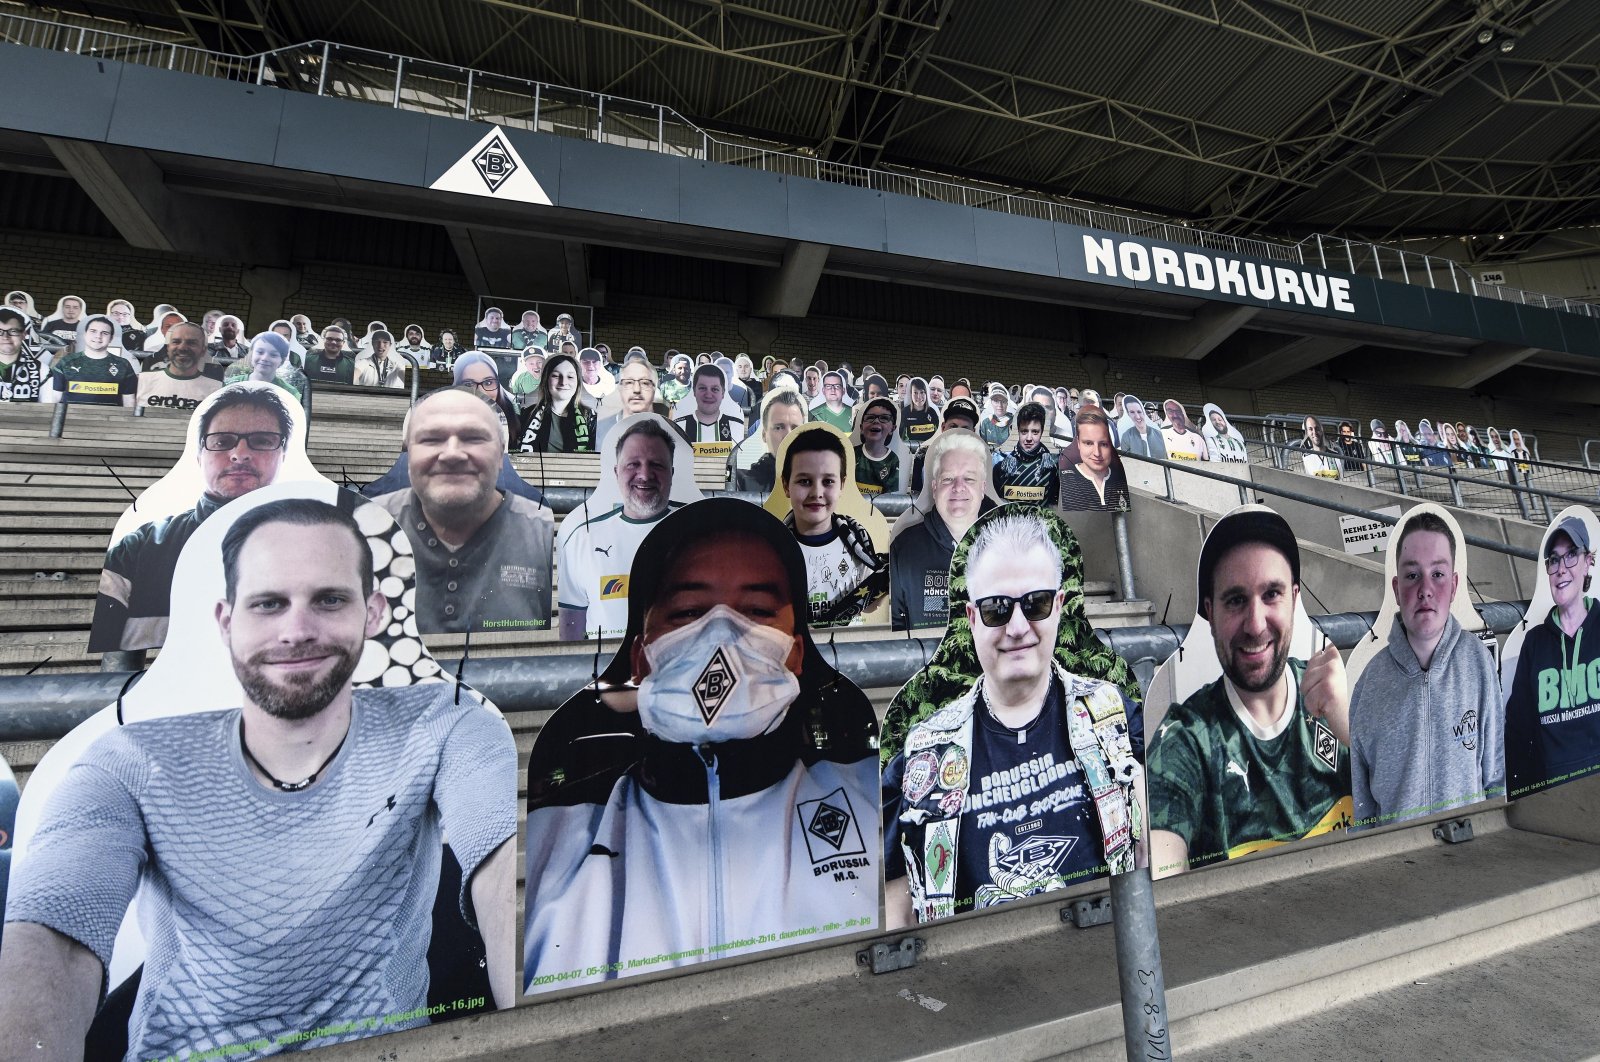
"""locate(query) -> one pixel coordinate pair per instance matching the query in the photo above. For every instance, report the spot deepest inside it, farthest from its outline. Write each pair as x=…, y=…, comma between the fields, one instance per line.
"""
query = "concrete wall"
x=1493, y=574
x=1571, y=810
x=1166, y=540
x=1098, y=543
x=1199, y=491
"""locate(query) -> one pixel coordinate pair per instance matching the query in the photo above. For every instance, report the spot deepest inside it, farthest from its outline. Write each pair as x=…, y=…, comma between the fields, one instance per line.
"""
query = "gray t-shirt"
x=266, y=913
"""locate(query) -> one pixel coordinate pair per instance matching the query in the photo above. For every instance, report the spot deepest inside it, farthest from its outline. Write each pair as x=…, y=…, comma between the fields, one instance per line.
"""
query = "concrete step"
x=1519, y=1004
x=1293, y=942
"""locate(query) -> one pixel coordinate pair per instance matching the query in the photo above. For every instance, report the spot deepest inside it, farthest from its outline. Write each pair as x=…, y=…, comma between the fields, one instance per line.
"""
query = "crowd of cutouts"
x=550, y=378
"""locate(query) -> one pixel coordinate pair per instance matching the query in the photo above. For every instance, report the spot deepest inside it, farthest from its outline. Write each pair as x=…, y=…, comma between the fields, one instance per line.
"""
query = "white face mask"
x=721, y=678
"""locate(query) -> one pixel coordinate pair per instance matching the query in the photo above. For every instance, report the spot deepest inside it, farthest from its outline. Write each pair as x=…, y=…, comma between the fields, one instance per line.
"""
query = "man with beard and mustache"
x=181, y=382
x=597, y=556
x=483, y=556
x=1261, y=756
x=243, y=435
x=320, y=922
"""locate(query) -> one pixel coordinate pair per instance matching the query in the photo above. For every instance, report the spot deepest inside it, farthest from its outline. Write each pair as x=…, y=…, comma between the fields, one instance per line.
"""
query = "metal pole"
x=1455, y=491
x=322, y=72
x=1166, y=471
x=537, y=86
x=467, y=110
x=399, y=74
x=58, y=418
x=1522, y=503
x=1119, y=525
x=1144, y=987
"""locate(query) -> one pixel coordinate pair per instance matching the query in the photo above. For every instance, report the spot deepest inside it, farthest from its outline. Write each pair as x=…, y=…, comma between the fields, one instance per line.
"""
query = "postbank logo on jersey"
x=833, y=836
x=715, y=683
x=614, y=588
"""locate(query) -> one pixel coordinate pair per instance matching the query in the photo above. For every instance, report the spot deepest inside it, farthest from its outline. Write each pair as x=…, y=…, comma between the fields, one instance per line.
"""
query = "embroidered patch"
x=953, y=768
x=920, y=772
x=940, y=856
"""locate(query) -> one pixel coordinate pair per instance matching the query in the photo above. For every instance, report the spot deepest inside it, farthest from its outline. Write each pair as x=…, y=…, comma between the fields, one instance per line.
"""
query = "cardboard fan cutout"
x=845, y=542
x=267, y=433
x=890, y=471
x=1012, y=760
x=353, y=906
x=1550, y=670
x=1426, y=726
x=714, y=792
x=955, y=491
x=484, y=555
x=8, y=826
x=646, y=470
x=707, y=415
x=1247, y=723
x=1223, y=440
x=1092, y=476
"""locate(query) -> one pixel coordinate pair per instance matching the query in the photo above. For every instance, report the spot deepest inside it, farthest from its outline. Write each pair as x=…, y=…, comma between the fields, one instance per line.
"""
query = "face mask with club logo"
x=721, y=678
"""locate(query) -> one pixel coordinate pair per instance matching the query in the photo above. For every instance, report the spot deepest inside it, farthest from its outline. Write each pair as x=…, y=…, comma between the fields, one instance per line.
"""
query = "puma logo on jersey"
x=603, y=549
x=1242, y=772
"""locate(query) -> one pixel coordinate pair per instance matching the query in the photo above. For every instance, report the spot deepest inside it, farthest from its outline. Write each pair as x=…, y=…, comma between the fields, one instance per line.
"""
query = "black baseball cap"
x=1251, y=523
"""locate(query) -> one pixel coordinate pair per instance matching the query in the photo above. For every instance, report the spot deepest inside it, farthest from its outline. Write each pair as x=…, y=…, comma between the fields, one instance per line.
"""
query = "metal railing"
x=1532, y=484
x=383, y=78
x=1247, y=488
x=1588, y=462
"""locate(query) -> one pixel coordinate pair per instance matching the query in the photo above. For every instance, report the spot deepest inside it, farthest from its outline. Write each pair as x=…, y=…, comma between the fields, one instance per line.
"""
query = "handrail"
x=455, y=91
x=1371, y=464
x=1244, y=486
x=1294, y=423
x=1587, y=461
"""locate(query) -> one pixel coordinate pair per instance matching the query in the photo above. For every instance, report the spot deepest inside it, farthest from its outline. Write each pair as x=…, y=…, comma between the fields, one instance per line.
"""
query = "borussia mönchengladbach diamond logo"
x=714, y=685
x=495, y=164
x=829, y=823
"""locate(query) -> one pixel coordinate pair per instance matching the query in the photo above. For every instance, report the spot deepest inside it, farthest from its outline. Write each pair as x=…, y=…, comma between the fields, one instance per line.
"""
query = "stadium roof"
x=1377, y=119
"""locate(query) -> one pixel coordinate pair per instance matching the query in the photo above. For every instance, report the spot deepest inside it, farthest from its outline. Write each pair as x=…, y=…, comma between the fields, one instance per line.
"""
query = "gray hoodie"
x=1424, y=741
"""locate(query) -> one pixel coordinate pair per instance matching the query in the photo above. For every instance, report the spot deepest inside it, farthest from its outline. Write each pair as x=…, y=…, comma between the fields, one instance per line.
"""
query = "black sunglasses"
x=1036, y=605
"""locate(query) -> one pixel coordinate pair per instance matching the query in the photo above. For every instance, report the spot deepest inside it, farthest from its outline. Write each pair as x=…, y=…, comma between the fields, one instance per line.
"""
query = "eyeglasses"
x=1036, y=605
x=877, y=418
x=637, y=385
x=256, y=440
x=14, y=333
x=491, y=384
x=1553, y=562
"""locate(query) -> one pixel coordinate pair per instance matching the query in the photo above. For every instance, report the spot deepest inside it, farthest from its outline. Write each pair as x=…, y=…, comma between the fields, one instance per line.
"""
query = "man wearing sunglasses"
x=1028, y=782
x=243, y=436
x=1553, y=705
